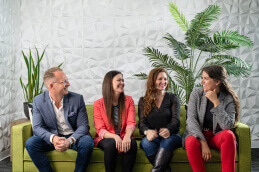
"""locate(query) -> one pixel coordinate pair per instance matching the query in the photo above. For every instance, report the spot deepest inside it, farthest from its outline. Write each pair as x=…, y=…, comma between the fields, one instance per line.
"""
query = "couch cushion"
x=98, y=155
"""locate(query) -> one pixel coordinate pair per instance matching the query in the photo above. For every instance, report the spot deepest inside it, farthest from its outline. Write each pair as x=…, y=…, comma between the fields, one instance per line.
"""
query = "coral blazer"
x=102, y=124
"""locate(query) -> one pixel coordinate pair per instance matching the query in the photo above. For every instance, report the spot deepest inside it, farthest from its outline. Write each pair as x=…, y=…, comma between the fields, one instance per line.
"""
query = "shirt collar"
x=53, y=102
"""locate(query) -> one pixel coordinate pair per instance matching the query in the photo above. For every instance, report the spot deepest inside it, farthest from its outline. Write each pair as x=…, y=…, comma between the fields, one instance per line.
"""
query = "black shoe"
x=152, y=158
x=163, y=158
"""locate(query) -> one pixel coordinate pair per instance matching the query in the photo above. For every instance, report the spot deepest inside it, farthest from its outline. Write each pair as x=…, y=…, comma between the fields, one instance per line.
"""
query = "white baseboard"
x=4, y=154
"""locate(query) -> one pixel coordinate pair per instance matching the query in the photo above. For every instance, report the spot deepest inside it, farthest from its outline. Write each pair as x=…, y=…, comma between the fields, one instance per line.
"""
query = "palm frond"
x=141, y=76
x=200, y=24
x=180, y=49
x=234, y=37
x=164, y=61
x=178, y=16
x=176, y=89
x=234, y=65
x=215, y=45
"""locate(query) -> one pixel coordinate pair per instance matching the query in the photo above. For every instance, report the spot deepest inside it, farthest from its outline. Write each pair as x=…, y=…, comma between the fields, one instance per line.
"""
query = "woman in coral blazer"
x=114, y=120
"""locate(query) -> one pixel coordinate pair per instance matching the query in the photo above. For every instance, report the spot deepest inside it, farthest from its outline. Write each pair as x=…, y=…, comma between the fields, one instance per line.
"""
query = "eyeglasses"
x=62, y=82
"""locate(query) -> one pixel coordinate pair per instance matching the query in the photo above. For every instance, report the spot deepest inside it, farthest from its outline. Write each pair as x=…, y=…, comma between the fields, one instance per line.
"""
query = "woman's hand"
x=212, y=96
x=118, y=141
x=151, y=135
x=205, y=151
x=126, y=144
x=164, y=132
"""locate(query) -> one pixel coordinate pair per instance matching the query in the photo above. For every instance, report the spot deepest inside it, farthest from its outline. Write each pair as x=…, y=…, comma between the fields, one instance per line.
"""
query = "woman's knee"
x=191, y=142
x=173, y=141
x=110, y=144
x=228, y=135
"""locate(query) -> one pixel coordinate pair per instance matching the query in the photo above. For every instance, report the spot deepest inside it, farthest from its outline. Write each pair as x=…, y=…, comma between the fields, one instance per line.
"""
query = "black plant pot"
x=26, y=106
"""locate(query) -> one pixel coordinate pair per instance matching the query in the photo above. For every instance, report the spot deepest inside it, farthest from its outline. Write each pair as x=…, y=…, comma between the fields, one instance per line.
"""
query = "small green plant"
x=198, y=40
x=33, y=87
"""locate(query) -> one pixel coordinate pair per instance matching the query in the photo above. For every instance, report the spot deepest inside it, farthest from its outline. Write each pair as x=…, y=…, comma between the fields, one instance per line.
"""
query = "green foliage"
x=33, y=87
x=199, y=40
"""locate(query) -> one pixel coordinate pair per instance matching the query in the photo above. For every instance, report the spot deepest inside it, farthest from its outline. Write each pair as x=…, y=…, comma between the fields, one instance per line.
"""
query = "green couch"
x=65, y=161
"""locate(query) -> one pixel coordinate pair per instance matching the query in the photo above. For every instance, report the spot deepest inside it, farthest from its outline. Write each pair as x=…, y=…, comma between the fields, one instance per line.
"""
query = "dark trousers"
x=37, y=147
x=108, y=145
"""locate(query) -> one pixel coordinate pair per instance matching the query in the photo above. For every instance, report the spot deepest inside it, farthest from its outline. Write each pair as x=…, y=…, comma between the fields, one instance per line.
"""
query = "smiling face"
x=61, y=83
x=161, y=81
x=208, y=83
x=118, y=84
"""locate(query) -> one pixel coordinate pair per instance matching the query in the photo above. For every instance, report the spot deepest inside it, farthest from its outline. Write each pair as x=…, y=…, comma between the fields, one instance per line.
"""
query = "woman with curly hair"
x=159, y=121
x=212, y=113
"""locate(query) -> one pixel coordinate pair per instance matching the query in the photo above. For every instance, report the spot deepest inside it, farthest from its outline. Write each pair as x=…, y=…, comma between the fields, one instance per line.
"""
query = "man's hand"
x=205, y=151
x=151, y=134
x=164, y=132
x=60, y=143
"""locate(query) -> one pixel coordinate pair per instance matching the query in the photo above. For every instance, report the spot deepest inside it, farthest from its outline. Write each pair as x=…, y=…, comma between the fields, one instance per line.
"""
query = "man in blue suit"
x=60, y=122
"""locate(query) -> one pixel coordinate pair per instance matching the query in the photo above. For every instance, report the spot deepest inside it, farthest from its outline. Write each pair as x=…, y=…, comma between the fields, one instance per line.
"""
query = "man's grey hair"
x=50, y=75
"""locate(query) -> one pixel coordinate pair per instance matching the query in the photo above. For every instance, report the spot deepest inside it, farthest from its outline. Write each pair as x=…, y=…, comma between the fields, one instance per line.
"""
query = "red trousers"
x=224, y=141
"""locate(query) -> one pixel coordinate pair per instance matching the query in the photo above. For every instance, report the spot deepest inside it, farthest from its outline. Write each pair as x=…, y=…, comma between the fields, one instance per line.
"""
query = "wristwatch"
x=71, y=142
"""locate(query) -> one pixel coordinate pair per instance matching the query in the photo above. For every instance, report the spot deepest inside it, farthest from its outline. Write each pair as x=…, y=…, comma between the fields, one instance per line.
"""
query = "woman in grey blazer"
x=212, y=113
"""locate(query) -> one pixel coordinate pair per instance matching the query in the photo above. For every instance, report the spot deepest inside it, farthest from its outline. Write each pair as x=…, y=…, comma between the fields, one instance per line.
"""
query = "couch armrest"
x=244, y=147
x=20, y=133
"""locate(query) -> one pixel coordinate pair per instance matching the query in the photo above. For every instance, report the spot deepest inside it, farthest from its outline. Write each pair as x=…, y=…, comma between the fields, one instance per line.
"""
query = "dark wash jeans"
x=37, y=147
x=170, y=144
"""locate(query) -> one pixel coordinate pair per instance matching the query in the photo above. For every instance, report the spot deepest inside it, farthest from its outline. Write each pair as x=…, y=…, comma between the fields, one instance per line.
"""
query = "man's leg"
x=84, y=147
x=36, y=148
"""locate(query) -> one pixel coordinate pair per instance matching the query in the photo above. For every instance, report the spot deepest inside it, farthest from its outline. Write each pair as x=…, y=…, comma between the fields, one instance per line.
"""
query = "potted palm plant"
x=199, y=40
x=33, y=87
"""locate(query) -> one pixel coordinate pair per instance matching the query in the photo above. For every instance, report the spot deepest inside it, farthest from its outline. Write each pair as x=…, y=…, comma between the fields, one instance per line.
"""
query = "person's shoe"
x=152, y=158
x=162, y=160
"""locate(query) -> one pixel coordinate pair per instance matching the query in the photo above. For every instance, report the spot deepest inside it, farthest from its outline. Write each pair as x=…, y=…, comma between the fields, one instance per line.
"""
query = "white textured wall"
x=10, y=67
x=93, y=37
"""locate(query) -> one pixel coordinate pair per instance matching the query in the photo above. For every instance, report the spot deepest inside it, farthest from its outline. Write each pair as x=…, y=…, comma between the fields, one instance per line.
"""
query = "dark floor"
x=6, y=165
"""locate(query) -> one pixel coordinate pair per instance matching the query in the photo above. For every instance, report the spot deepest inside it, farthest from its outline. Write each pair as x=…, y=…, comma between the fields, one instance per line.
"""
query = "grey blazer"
x=223, y=114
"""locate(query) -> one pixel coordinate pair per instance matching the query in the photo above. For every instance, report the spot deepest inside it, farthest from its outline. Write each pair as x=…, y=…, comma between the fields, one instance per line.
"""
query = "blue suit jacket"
x=44, y=118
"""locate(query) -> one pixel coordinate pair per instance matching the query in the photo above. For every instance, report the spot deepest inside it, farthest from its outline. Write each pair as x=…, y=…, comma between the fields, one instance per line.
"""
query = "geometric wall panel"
x=92, y=37
x=10, y=67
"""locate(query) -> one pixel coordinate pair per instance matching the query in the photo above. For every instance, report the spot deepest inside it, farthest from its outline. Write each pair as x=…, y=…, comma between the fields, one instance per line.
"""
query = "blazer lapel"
x=202, y=108
x=66, y=110
x=50, y=109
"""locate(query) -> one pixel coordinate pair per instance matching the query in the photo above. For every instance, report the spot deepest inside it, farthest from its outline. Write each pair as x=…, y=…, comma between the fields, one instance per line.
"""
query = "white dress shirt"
x=63, y=128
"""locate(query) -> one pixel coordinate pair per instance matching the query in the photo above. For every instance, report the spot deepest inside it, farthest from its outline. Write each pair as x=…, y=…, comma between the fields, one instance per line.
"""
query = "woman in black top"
x=159, y=114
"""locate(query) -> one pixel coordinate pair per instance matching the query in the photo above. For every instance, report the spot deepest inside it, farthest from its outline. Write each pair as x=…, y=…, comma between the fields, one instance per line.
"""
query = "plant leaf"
x=141, y=76
x=234, y=37
x=178, y=16
x=180, y=49
x=199, y=27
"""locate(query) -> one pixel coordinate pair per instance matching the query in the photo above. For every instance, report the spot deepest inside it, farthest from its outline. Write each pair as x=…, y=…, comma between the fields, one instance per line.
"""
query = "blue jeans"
x=170, y=144
x=37, y=147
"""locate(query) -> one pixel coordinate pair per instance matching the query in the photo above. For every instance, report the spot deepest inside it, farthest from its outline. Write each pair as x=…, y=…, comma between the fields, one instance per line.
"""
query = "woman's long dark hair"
x=108, y=97
x=219, y=73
